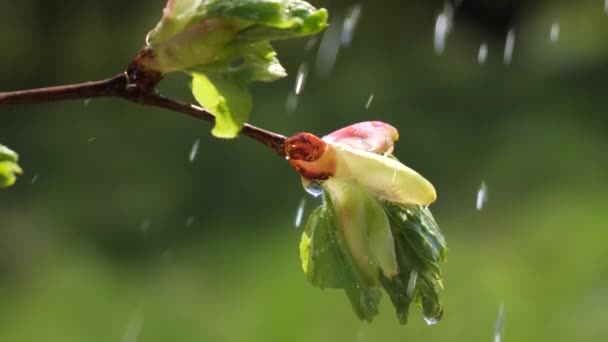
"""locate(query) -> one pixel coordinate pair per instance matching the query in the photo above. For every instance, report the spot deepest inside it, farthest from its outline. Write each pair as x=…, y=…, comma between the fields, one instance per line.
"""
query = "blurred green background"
x=113, y=235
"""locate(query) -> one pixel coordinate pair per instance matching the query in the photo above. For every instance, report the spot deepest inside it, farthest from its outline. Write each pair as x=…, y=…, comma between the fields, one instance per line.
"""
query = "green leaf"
x=194, y=33
x=227, y=99
x=9, y=169
x=327, y=262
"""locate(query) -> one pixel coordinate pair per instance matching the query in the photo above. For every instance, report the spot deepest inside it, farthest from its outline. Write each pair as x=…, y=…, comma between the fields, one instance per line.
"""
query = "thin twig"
x=121, y=86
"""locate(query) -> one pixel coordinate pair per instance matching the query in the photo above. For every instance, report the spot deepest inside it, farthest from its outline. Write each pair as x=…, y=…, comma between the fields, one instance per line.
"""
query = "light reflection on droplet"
x=411, y=284
x=482, y=54
x=482, y=196
x=134, y=326
x=443, y=26
x=369, y=101
x=300, y=213
x=194, y=151
x=509, y=44
x=291, y=103
x=499, y=323
x=328, y=49
x=554, y=33
x=350, y=24
x=313, y=188
x=301, y=78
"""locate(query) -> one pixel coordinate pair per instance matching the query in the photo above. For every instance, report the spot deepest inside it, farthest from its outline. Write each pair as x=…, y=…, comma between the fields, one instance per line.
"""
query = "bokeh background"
x=112, y=234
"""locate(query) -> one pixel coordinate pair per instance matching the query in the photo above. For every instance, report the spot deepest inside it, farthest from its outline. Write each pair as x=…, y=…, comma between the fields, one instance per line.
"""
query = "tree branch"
x=139, y=91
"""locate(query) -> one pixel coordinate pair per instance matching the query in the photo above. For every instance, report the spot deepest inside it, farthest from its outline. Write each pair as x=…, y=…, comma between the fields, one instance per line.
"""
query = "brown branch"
x=142, y=92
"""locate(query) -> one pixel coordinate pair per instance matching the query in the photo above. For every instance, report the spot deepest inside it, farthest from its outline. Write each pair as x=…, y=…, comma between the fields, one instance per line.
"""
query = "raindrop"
x=291, y=103
x=194, y=151
x=310, y=43
x=134, y=326
x=328, y=49
x=606, y=6
x=145, y=225
x=190, y=221
x=34, y=179
x=443, y=26
x=499, y=323
x=301, y=78
x=300, y=212
x=482, y=55
x=411, y=284
x=482, y=196
x=369, y=101
x=509, y=44
x=91, y=140
x=312, y=187
x=350, y=24
x=432, y=320
x=87, y=101
x=554, y=33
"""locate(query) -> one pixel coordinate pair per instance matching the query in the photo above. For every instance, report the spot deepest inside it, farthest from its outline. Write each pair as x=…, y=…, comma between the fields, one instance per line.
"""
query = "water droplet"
x=369, y=101
x=300, y=213
x=554, y=33
x=301, y=78
x=291, y=103
x=190, y=221
x=145, y=225
x=328, y=49
x=194, y=151
x=134, y=326
x=509, y=44
x=34, y=179
x=91, y=140
x=350, y=24
x=87, y=101
x=312, y=187
x=411, y=284
x=499, y=323
x=310, y=43
x=482, y=54
x=606, y=6
x=431, y=320
x=482, y=196
x=443, y=26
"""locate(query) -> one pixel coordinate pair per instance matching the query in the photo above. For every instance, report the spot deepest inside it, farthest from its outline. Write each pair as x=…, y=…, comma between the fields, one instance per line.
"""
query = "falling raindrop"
x=482, y=196
x=554, y=33
x=310, y=43
x=482, y=55
x=300, y=212
x=328, y=49
x=443, y=26
x=301, y=78
x=134, y=326
x=606, y=6
x=87, y=101
x=499, y=323
x=145, y=225
x=350, y=24
x=34, y=179
x=411, y=284
x=509, y=44
x=291, y=103
x=91, y=140
x=194, y=151
x=190, y=221
x=369, y=101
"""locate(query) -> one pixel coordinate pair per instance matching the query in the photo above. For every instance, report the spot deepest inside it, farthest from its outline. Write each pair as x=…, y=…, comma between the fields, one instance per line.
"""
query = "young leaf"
x=230, y=101
x=226, y=42
x=9, y=169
